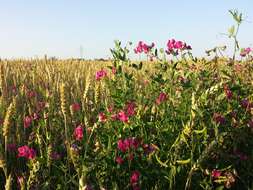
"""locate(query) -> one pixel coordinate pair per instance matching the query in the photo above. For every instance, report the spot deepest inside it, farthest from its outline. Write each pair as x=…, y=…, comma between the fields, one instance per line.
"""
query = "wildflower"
x=75, y=107
x=245, y=51
x=100, y=74
x=134, y=177
x=102, y=117
x=174, y=46
x=161, y=98
x=216, y=174
x=119, y=160
x=26, y=152
x=78, y=133
x=142, y=47
x=27, y=121
x=122, y=116
x=122, y=146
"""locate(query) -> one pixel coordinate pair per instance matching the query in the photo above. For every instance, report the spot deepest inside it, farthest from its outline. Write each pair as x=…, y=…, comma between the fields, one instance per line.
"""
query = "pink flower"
x=27, y=121
x=122, y=146
x=142, y=47
x=245, y=51
x=101, y=74
x=122, y=116
x=75, y=107
x=174, y=46
x=119, y=160
x=162, y=97
x=26, y=152
x=216, y=174
x=134, y=177
x=78, y=133
x=32, y=154
x=102, y=117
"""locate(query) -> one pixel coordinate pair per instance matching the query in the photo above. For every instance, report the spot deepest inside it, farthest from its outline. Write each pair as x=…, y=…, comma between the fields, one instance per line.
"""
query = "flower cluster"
x=126, y=144
x=27, y=121
x=78, y=133
x=245, y=51
x=26, y=152
x=134, y=179
x=75, y=107
x=100, y=74
x=173, y=47
x=142, y=47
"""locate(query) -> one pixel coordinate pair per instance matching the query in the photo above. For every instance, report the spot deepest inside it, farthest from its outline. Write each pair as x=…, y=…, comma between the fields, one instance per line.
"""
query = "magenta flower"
x=216, y=174
x=78, y=133
x=101, y=74
x=26, y=152
x=122, y=116
x=174, y=46
x=161, y=98
x=75, y=107
x=119, y=160
x=142, y=47
x=134, y=177
x=27, y=121
x=122, y=146
x=245, y=51
x=32, y=154
x=102, y=117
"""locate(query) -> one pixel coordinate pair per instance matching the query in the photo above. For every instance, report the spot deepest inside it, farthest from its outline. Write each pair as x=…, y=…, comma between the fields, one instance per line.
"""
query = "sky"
x=33, y=28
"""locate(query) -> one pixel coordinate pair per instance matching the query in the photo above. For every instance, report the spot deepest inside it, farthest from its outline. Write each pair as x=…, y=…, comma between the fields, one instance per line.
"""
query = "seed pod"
x=7, y=120
x=8, y=183
x=63, y=99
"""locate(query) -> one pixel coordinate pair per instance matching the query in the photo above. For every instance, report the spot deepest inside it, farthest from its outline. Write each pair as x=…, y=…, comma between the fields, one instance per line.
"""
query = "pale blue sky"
x=59, y=27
